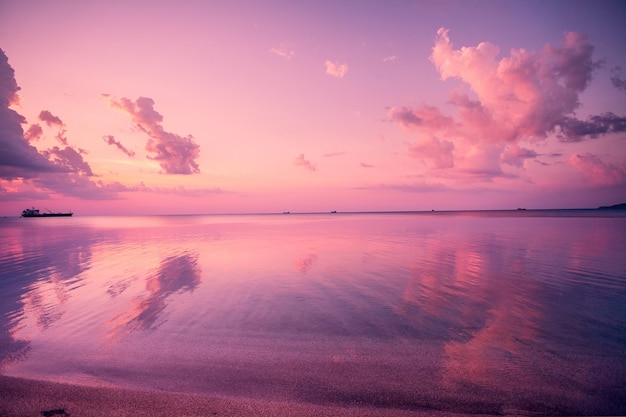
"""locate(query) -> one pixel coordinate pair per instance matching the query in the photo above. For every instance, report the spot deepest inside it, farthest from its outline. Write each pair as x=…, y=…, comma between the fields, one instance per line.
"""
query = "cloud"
x=300, y=161
x=69, y=159
x=437, y=152
x=525, y=95
x=506, y=100
x=33, y=133
x=598, y=171
x=418, y=187
x=60, y=136
x=283, y=50
x=81, y=186
x=365, y=165
x=333, y=154
x=50, y=119
x=18, y=159
x=8, y=84
x=111, y=141
x=182, y=191
x=479, y=162
x=390, y=58
x=574, y=130
x=175, y=154
x=21, y=191
x=336, y=69
x=617, y=80
x=515, y=155
x=425, y=117
x=24, y=171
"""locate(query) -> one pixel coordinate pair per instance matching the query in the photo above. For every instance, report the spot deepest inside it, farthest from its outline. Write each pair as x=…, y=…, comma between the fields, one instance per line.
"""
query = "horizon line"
x=620, y=206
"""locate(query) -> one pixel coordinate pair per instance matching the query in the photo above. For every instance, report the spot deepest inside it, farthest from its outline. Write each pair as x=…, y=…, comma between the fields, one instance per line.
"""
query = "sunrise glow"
x=237, y=107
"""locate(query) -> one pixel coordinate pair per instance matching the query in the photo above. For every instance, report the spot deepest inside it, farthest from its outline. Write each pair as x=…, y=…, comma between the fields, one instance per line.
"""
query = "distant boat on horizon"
x=33, y=212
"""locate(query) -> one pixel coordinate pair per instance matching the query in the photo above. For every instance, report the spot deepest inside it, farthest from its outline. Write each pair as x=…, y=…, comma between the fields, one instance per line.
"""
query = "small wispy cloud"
x=336, y=69
x=284, y=50
x=34, y=132
x=301, y=161
x=515, y=155
x=390, y=58
x=52, y=120
x=416, y=187
x=617, y=79
x=598, y=171
x=365, y=165
x=332, y=154
x=49, y=118
x=111, y=141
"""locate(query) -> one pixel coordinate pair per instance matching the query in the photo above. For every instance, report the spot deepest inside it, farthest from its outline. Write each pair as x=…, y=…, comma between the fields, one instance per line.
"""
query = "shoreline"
x=21, y=397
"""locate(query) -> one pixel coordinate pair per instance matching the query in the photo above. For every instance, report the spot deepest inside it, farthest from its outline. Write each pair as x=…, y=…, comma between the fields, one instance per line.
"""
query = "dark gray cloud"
x=59, y=170
x=18, y=158
x=8, y=84
x=575, y=130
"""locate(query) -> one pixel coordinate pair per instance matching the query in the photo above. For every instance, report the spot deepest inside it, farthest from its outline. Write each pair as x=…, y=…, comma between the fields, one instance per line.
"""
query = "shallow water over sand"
x=500, y=312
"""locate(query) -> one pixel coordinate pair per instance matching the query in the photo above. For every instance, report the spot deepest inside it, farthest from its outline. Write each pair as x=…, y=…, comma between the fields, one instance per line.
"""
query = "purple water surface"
x=468, y=312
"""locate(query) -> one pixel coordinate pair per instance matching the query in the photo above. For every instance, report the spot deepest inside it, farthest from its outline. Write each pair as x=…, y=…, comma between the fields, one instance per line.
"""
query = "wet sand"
x=30, y=398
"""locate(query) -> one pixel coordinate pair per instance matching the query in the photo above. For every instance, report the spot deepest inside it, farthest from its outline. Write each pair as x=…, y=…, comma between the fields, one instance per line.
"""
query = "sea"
x=475, y=312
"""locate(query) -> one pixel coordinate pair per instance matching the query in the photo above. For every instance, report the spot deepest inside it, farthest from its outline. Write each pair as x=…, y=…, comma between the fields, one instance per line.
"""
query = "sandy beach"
x=29, y=398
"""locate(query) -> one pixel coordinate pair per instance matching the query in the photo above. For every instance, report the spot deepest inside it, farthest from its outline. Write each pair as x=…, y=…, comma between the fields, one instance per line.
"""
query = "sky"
x=192, y=107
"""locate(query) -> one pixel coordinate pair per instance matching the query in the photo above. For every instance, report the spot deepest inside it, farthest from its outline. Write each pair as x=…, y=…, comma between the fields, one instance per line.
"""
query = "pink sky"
x=232, y=107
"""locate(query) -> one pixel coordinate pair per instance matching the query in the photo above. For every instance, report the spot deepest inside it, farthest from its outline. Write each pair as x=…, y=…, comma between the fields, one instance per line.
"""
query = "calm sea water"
x=492, y=312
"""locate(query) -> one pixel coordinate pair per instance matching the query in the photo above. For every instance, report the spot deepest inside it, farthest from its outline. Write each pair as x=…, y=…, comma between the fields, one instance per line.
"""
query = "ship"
x=33, y=212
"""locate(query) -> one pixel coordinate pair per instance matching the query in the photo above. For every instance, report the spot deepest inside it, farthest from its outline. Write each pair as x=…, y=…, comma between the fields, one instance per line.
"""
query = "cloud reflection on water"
x=304, y=264
x=42, y=265
x=175, y=274
x=491, y=300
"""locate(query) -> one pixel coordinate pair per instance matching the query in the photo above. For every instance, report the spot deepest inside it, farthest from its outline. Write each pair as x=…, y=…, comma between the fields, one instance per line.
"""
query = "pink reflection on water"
x=303, y=265
x=176, y=274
